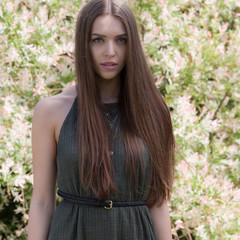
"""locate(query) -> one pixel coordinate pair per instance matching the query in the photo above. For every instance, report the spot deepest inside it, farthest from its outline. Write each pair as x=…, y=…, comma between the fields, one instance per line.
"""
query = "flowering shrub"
x=193, y=51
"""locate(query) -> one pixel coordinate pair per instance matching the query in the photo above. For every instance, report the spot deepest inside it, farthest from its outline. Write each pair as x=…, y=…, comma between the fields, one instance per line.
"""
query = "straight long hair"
x=145, y=118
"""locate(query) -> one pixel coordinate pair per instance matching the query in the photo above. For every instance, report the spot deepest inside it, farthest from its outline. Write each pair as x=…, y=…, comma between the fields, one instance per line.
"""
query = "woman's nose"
x=110, y=49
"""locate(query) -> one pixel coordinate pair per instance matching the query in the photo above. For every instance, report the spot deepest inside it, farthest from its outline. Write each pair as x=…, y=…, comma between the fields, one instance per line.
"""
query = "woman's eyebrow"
x=101, y=35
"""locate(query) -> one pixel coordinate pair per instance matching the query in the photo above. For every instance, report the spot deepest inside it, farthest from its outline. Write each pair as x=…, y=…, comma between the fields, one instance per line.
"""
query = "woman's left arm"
x=162, y=222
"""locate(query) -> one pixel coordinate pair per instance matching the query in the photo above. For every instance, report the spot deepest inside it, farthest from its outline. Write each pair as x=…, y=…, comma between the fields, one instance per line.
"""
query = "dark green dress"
x=83, y=222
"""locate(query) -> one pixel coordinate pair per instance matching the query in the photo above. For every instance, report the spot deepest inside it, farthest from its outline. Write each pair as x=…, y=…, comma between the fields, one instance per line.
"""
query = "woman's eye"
x=122, y=40
x=97, y=40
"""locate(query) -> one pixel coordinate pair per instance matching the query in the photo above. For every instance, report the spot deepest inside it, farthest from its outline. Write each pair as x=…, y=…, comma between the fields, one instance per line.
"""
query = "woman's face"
x=108, y=43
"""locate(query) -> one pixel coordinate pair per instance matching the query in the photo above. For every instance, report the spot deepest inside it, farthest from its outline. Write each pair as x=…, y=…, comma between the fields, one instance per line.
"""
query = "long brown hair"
x=146, y=118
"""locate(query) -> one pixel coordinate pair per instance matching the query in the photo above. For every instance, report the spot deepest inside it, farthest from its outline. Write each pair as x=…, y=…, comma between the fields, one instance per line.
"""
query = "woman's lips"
x=109, y=65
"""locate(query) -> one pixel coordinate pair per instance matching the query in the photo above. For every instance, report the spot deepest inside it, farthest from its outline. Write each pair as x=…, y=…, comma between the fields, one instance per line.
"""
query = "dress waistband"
x=108, y=204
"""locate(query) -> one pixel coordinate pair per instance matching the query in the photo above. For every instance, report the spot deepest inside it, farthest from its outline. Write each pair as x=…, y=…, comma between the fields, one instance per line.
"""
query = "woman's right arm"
x=44, y=171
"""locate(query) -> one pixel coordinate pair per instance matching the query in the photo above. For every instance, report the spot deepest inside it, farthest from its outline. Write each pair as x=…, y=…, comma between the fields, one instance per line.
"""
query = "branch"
x=213, y=118
x=220, y=105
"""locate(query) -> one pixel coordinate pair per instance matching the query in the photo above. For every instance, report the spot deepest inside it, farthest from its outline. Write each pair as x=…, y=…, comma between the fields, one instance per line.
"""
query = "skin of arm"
x=44, y=171
x=162, y=222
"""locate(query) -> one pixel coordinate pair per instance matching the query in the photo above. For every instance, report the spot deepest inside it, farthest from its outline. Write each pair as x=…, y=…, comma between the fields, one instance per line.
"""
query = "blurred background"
x=193, y=49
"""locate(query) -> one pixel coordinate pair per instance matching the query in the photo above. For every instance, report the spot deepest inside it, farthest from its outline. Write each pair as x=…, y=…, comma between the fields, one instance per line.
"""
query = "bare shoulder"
x=52, y=110
x=50, y=105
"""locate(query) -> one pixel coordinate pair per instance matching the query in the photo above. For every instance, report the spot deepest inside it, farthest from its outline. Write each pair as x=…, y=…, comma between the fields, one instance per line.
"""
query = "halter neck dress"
x=73, y=221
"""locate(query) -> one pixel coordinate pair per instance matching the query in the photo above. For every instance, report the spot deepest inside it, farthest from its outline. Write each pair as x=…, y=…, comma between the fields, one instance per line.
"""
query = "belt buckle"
x=110, y=205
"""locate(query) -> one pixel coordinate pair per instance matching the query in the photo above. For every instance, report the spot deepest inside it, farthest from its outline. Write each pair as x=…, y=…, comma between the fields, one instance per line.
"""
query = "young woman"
x=108, y=141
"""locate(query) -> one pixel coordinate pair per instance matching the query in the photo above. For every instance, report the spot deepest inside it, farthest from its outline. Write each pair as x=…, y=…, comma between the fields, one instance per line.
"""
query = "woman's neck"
x=109, y=90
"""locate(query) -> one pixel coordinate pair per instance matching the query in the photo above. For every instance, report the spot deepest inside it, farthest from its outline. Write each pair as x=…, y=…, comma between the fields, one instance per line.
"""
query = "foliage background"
x=193, y=48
